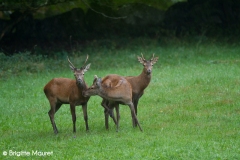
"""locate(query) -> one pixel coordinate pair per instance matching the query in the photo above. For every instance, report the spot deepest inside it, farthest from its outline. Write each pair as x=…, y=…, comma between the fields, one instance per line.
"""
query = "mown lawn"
x=190, y=110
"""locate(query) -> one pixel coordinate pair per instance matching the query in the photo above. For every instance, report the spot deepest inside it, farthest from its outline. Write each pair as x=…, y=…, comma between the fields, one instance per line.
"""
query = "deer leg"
x=118, y=115
x=106, y=118
x=111, y=107
x=134, y=117
x=108, y=111
x=51, y=114
x=135, y=102
x=84, y=108
x=58, y=105
x=111, y=113
x=73, y=112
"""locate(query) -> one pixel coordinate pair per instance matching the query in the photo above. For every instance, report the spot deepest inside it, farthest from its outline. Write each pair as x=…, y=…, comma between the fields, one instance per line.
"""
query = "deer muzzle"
x=149, y=71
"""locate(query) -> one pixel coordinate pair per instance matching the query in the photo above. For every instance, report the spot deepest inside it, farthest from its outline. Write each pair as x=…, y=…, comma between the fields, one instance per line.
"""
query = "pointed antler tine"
x=152, y=57
x=70, y=62
x=86, y=60
x=95, y=76
x=143, y=57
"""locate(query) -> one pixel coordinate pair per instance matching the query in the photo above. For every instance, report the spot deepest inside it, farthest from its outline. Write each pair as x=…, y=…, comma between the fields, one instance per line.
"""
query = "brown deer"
x=114, y=90
x=68, y=91
x=138, y=84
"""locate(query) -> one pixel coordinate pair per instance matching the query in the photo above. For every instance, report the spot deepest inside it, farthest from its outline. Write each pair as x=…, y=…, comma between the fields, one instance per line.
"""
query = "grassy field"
x=190, y=110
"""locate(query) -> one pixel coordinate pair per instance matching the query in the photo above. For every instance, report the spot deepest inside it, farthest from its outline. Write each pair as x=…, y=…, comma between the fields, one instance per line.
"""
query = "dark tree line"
x=210, y=17
x=193, y=17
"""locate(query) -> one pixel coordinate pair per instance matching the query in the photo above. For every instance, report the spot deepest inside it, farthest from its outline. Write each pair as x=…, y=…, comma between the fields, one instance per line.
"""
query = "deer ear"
x=99, y=80
x=87, y=67
x=95, y=78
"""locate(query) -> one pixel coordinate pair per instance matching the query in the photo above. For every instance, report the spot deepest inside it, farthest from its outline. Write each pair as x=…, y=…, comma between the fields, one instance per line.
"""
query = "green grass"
x=190, y=110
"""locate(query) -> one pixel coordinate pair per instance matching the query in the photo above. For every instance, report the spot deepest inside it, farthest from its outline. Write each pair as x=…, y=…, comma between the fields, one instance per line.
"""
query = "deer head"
x=79, y=73
x=94, y=88
x=148, y=64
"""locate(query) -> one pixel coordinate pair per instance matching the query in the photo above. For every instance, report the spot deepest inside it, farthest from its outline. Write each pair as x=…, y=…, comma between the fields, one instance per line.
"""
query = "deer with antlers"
x=68, y=91
x=138, y=85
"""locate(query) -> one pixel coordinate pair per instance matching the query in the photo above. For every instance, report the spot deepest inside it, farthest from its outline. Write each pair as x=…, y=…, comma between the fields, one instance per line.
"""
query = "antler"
x=152, y=57
x=86, y=60
x=71, y=65
x=143, y=57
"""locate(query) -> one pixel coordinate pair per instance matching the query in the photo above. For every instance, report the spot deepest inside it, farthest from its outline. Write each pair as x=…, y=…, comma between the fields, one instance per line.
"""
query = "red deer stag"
x=68, y=91
x=138, y=84
x=115, y=90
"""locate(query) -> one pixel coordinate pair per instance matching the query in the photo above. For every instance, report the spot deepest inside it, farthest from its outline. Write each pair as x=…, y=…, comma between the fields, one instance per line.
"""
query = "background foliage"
x=73, y=24
x=28, y=4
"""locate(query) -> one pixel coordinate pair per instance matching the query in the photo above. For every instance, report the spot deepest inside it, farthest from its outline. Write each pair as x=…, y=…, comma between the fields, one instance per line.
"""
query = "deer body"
x=114, y=90
x=138, y=84
x=67, y=91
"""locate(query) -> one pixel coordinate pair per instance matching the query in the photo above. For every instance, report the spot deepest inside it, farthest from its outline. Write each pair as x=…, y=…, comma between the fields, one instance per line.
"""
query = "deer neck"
x=145, y=78
x=82, y=86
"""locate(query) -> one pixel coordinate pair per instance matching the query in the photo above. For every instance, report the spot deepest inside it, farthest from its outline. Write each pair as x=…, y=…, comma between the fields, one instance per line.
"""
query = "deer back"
x=116, y=87
x=112, y=87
